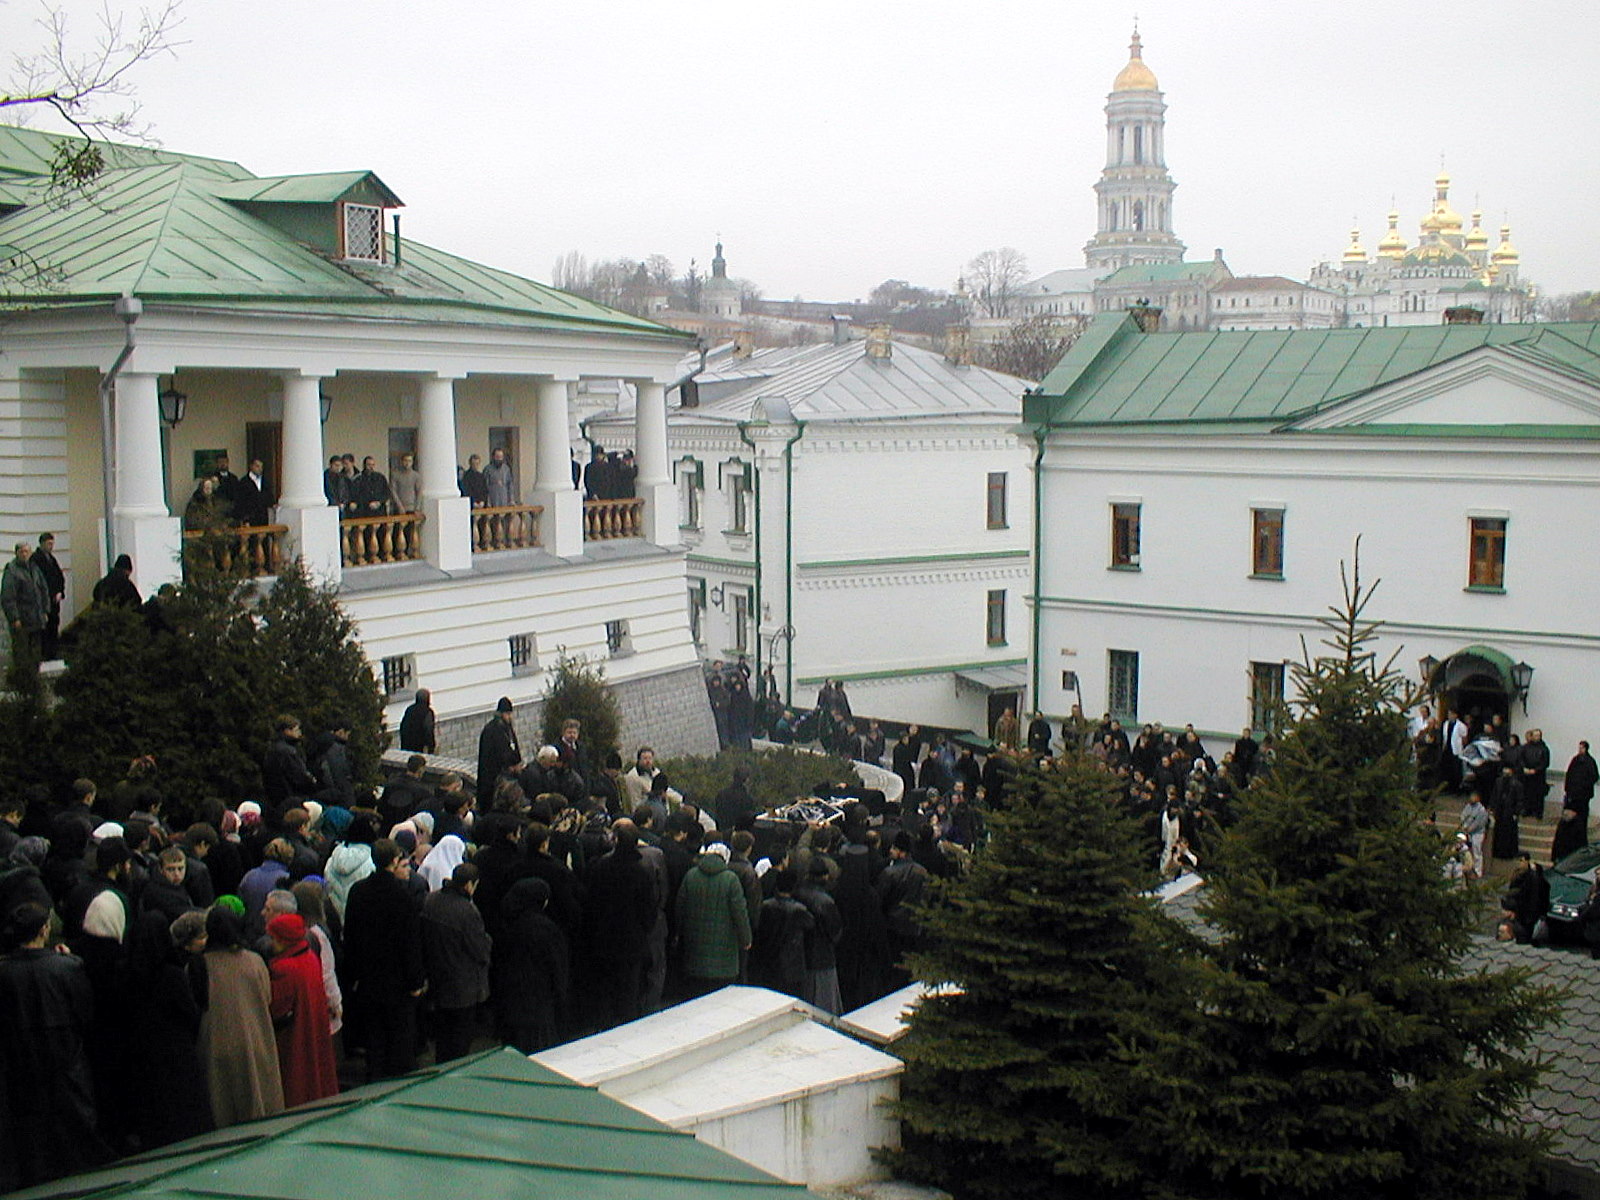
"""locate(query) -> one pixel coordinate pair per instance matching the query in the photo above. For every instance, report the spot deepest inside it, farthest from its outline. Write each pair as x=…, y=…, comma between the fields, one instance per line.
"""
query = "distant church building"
x=1447, y=268
x=1136, y=257
x=719, y=295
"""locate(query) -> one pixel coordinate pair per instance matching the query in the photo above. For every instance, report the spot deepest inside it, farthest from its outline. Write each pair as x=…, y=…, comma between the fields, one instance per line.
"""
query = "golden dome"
x=1135, y=77
x=1505, y=252
x=1447, y=219
x=1477, y=239
x=1355, y=252
x=1394, y=243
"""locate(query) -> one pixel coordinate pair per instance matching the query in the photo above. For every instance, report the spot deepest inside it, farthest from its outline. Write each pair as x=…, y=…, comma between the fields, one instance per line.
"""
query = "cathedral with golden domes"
x=1448, y=267
x=1136, y=256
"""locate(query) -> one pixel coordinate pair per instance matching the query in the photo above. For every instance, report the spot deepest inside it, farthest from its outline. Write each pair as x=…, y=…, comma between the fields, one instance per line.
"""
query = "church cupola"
x=1134, y=194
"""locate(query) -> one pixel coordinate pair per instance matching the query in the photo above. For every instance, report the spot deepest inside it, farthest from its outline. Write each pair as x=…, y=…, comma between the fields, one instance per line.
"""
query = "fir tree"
x=577, y=689
x=1345, y=1051
x=1023, y=1083
x=198, y=683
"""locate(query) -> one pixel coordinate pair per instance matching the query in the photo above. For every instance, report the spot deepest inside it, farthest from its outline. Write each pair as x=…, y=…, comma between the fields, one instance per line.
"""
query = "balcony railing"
x=514, y=527
x=605, y=520
x=365, y=541
x=247, y=550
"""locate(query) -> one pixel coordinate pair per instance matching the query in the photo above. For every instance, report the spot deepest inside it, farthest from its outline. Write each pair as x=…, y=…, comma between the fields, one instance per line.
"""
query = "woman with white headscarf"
x=442, y=860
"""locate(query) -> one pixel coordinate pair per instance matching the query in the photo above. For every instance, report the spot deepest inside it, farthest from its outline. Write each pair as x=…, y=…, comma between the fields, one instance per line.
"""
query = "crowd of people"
x=254, y=956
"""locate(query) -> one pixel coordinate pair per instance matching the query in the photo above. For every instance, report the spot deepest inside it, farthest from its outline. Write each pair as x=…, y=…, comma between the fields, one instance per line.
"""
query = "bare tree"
x=1573, y=306
x=661, y=272
x=571, y=273
x=1032, y=346
x=994, y=278
x=87, y=83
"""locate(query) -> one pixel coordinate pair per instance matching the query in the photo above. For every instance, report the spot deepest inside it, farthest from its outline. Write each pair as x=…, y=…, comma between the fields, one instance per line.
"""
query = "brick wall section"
x=669, y=711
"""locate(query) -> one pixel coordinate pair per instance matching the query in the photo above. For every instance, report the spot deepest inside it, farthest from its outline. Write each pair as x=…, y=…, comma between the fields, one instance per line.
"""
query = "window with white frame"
x=743, y=606
x=1266, y=696
x=1122, y=684
x=524, y=656
x=736, y=479
x=691, y=493
x=399, y=672
x=697, y=611
x=618, y=640
x=363, y=232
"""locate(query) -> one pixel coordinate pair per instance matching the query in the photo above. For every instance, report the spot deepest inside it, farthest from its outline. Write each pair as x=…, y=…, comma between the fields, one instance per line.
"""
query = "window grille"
x=1122, y=689
x=617, y=640
x=523, y=659
x=363, y=232
x=399, y=674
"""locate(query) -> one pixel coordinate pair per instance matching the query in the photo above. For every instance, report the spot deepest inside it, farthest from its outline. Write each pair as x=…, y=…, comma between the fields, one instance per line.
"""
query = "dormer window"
x=362, y=231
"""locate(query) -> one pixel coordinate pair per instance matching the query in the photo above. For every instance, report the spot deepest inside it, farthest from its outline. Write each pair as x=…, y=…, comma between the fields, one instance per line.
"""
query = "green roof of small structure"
x=488, y=1127
x=1114, y=375
x=182, y=230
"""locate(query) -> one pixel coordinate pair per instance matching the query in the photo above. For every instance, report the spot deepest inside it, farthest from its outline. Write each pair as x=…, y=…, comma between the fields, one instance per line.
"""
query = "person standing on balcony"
x=253, y=498
x=406, y=485
x=500, y=481
x=474, y=486
x=597, y=476
x=369, y=492
x=335, y=486
x=55, y=582
x=25, y=599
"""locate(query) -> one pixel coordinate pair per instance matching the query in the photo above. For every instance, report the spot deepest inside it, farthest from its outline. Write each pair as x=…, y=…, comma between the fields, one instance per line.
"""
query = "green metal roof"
x=184, y=230
x=307, y=189
x=1159, y=272
x=488, y=1127
x=1115, y=375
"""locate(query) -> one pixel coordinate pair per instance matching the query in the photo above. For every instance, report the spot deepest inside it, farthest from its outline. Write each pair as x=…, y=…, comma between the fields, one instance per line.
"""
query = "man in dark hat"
x=117, y=587
x=498, y=750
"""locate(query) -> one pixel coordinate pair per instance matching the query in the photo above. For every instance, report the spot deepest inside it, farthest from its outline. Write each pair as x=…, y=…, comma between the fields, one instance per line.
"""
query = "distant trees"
x=994, y=279
x=1032, y=346
x=1572, y=306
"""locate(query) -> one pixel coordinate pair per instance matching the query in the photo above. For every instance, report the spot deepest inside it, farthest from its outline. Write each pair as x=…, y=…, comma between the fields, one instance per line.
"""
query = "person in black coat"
x=529, y=976
x=1572, y=832
x=455, y=949
x=405, y=794
x=117, y=588
x=735, y=807
x=741, y=712
x=48, y=1125
x=618, y=918
x=385, y=974
x=1534, y=768
x=165, y=1002
x=285, y=777
x=498, y=750
x=418, y=725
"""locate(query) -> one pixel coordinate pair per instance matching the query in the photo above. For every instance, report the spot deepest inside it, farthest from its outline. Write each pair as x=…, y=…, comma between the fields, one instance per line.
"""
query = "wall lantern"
x=174, y=405
x=1521, y=678
x=1427, y=664
x=326, y=403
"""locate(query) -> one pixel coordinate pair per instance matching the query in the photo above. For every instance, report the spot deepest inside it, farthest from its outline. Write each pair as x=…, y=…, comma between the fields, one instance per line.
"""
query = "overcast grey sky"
x=834, y=146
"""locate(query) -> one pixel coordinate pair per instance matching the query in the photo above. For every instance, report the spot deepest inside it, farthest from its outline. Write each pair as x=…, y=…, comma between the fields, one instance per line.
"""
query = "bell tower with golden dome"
x=1135, y=191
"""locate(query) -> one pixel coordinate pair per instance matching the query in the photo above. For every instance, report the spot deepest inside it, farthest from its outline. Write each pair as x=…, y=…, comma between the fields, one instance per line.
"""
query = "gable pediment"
x=1491, y=387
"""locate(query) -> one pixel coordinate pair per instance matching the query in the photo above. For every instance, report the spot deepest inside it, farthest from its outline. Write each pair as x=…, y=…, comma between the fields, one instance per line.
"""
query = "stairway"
x=1534, y=836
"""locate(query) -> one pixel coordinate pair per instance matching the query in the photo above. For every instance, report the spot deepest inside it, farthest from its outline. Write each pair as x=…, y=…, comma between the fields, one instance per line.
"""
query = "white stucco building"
x=293, y=323
x=1198, y=492
x=856, y=510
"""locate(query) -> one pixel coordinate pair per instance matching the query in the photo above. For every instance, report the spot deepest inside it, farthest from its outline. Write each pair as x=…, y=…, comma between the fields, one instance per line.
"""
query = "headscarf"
x=30, y=852
x=230, y=824
x=422, y=822
x=289, y=929
x=442, y=860
x=313, y=810
x=336, y=821
x=106, y=829
x=249, y=814
x=718, y=850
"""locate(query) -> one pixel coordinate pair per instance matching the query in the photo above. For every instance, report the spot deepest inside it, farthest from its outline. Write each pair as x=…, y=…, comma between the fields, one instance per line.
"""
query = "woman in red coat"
x=300, y=1014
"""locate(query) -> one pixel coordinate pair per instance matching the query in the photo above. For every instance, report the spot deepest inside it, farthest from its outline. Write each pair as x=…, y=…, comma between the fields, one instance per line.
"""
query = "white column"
x=313, y=522
x=142, y=527
x=654, y=485
x=446, y=513
x=561, y=526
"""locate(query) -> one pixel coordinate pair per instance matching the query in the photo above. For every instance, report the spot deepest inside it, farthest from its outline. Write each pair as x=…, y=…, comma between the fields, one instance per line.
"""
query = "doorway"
x=264, y=440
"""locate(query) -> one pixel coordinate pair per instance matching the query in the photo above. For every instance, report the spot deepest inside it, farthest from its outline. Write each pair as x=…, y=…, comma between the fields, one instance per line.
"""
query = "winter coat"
x=299, y=1008
x=455, y=949
x=236, y=1041
x=382, y=943
x=713, y=922
x=778, y=959
x=24, y=595
x=528, y=970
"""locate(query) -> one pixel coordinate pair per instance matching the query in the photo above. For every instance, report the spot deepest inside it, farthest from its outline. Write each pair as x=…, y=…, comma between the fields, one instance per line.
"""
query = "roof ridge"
x=166, y=215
